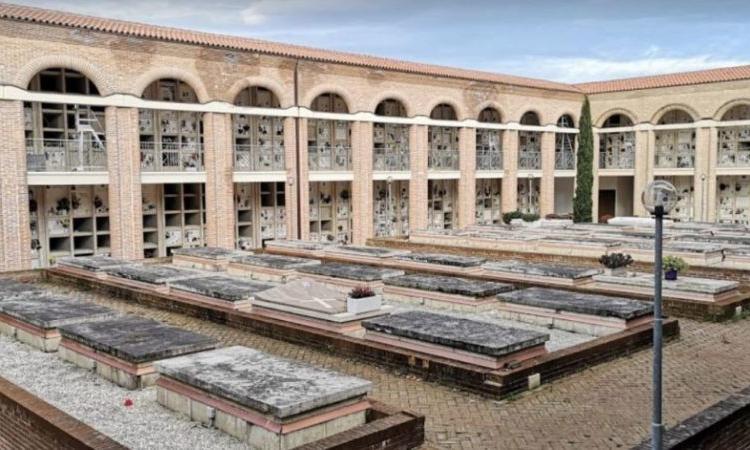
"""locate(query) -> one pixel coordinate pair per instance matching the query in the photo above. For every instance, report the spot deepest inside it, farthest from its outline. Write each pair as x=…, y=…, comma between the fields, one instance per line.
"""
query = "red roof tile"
x=668, y=80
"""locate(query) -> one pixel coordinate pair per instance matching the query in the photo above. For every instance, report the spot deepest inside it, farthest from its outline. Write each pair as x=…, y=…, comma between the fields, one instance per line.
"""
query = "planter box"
x=363, y=305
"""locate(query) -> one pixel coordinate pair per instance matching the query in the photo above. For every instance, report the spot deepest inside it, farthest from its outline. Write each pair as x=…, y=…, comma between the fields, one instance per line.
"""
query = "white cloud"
x=575, y=70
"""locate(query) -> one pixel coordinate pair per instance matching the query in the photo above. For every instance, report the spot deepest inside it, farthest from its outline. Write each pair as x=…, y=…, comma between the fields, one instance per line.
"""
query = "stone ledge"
x=593, y=304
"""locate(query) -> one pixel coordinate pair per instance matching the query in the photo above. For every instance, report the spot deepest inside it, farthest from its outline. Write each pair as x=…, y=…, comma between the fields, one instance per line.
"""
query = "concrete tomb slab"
x=266, y=401
x=441, y=291
x=222, y=290
x=10, y=289
x=35, y=319
x=91, y=263
x=444, y=259
x=345, y=276
x=123, y=349
x=147, y=275
x=685, y=288
x=298, y=247
x=268, y=267
x=463, y=339
x=308, y=302
x=205, y=258
x=362, y=253
x=538, y=272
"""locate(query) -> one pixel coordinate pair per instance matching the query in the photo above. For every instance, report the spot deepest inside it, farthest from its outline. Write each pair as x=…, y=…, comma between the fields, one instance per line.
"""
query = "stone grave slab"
x=269, y=267
x=684, y=288
x=35, y=319
x=97, y=263
x=10, y=289
x=221, y=290
x=123, y=349
x=441, y=291
x=538, y=272
x=311, y=303
x=444, y=259
x=151, y=276
x=272, y=402
x=292, y=247
x=362, y=253
x=346, y=276
x=205, y=258
x=462, y=339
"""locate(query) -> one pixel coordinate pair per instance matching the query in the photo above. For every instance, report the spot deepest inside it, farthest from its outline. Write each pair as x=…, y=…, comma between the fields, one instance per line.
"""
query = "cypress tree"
x=584, y=167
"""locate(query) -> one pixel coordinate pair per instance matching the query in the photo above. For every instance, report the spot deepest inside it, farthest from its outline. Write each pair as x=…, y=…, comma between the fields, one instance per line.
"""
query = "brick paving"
x=607, y=406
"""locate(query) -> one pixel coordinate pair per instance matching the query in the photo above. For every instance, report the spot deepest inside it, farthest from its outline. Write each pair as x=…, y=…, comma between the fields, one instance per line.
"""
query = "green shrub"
x=582, y=203
x=673, y=263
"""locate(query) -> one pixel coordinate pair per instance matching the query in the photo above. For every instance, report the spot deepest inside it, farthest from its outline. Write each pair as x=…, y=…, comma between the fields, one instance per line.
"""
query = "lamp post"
x=658, y=198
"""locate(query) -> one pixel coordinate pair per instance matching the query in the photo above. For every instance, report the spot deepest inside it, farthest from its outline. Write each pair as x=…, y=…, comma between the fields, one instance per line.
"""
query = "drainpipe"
x=297, y=150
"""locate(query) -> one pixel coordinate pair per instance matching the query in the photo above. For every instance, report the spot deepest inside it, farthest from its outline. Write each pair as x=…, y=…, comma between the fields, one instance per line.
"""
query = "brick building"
x=134, y=139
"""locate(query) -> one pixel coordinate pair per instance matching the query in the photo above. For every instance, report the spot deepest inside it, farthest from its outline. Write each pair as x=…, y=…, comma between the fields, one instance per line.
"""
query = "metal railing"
x=254, y=158
x=565, y=160
x=442, y=159
x=530, y=160
x=390, y=158
x=65, y=155
x=619, y=159
x=489, y=158
x=329, y=158
x=171, y=157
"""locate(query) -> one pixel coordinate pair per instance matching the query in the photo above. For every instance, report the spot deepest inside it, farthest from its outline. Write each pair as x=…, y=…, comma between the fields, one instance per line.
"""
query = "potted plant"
x=672, y=265
x=615, y=263
x=362, y=299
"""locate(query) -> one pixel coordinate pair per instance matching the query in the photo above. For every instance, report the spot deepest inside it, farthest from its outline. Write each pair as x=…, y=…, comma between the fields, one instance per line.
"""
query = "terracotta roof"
x=50, y=17
x=668, y=80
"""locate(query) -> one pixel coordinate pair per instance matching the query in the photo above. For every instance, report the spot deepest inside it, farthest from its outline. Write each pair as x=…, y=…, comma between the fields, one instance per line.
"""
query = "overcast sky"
x=564, y=40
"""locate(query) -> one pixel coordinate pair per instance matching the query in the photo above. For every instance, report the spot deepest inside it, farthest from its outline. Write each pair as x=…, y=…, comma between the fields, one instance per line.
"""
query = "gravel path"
x=100, y=404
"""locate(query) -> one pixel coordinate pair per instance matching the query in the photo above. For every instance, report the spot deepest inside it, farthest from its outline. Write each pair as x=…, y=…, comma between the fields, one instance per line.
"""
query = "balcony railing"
x=329, y=158
x=530, y=160
x=489, y=158
x=390, y=159
x=681, y=158
x=443, y=159
x=171, y=157
x=621, y=159
x=254, y=158
x=65, y=155
x=565, y=160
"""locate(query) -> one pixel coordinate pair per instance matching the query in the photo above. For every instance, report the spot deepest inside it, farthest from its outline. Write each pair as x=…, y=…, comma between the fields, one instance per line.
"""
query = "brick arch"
x=460, y=112
x=105, y=84
x=629, y=114
x=536, y=111
x=264, y=82
x=672, y=106
x=158, y=73
x=491, y=104
x=395, y=96
x=723, y=109
x=572, y=116
x=313, y=93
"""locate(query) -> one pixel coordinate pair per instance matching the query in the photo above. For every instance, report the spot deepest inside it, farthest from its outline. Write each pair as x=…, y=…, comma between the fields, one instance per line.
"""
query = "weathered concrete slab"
x=223, y=287
x=50, y=311
x=576, y=302
x=154, y=274
x=262, y=382
x=137, y=340
x=278, y=262
x=685, y=284
x=686, y=247
x=213, y=253
x=444, y=259
x=298, y=244
x=713, y=239
x=541, y=269
x=450, y=285
x=458, y=333
x=10, y=289
x=352, y=271
x=308, y=295
x=91, y=263
x=366, y=251
x=590, y=241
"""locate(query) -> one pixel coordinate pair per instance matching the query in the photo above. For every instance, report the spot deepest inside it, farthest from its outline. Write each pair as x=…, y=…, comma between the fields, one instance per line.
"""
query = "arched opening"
x=565, y=144
x=66, y=220
x=489, y=157
x=530, y=143
x=732, y=192
x=443, y=141
x=390, y=153
x=171, y=141
x=329, y=141
x=616, y=149
x=260, y=208
x=617, y=120
x=675, y=148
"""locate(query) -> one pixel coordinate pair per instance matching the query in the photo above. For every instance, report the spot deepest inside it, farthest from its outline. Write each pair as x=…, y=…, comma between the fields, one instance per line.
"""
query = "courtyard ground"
x=607, y=406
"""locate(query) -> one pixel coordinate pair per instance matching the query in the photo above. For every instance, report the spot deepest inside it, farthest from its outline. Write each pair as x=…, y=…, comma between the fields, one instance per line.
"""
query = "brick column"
x=595, y=184
x=641, y=175
x=362, y=183
x=418, y=184
x=218, y=158
x=711, y=182
x=510, y=171
x=290, y=162
x=304, y=183
x=125, y=198
x=700, y=178
x=15, y=235
x=547, y=188
x=467, y=184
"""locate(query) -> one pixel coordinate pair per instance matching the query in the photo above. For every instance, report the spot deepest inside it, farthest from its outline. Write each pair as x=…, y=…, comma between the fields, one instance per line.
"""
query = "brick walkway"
x=607, y=406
